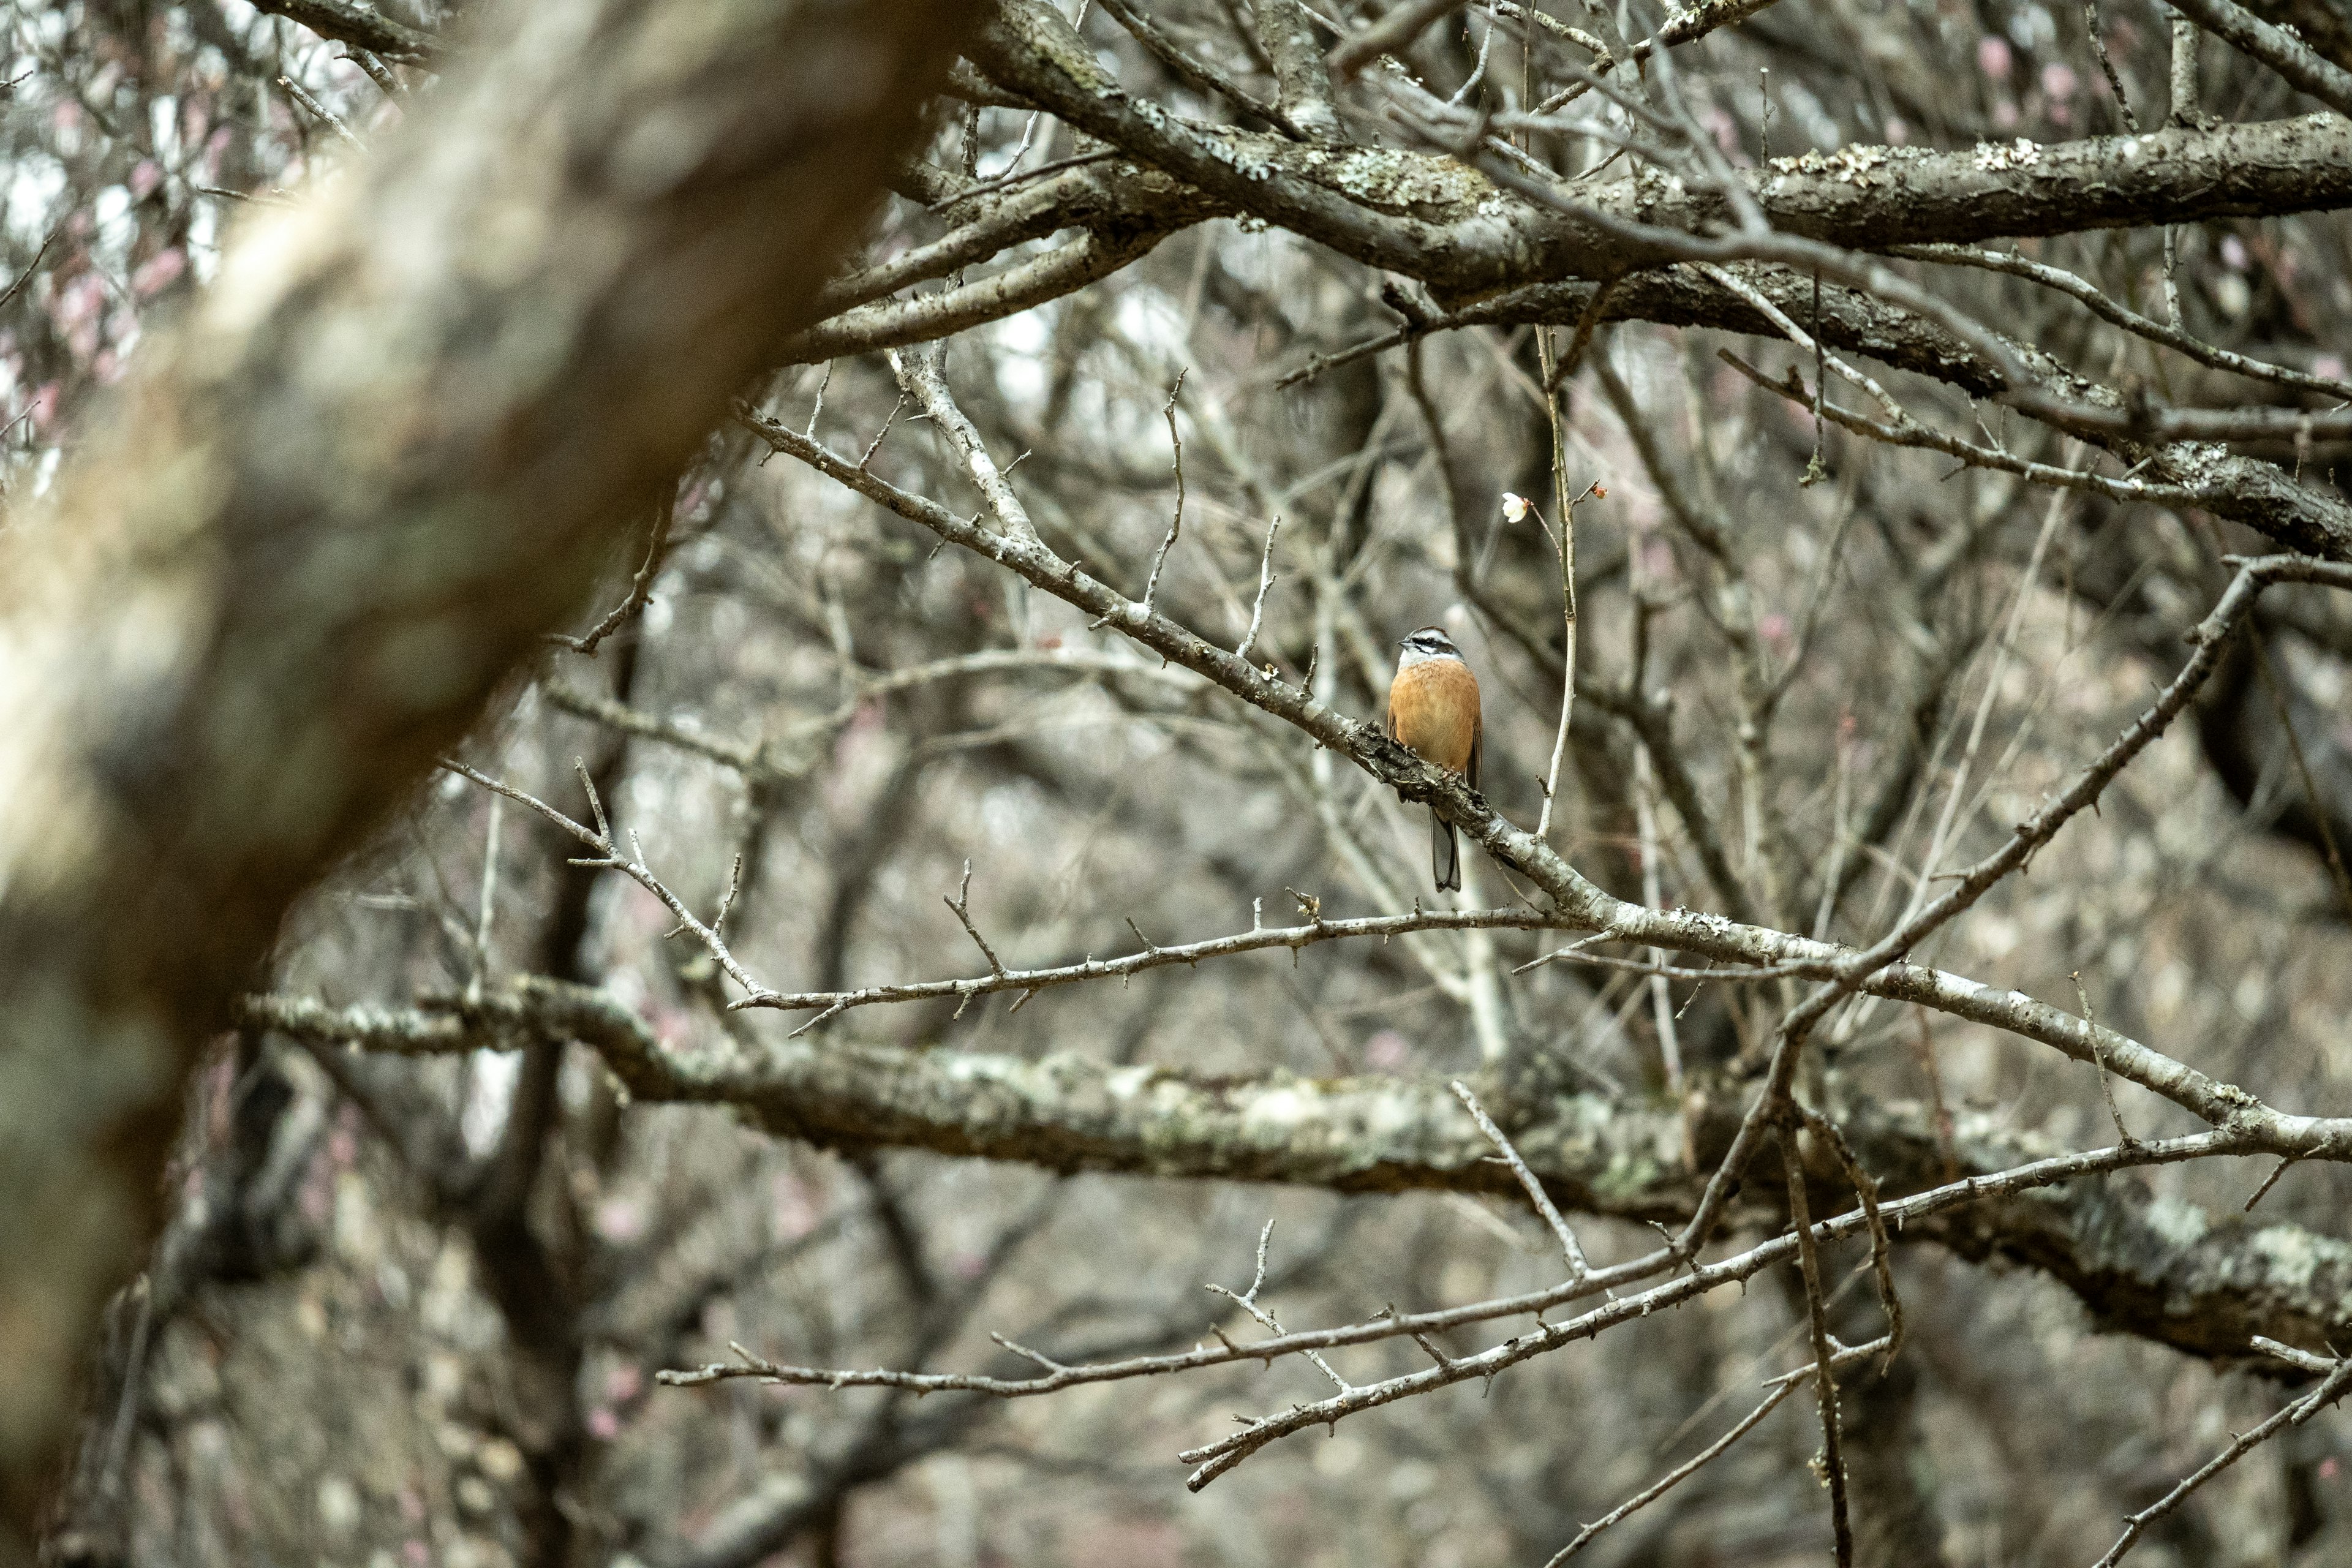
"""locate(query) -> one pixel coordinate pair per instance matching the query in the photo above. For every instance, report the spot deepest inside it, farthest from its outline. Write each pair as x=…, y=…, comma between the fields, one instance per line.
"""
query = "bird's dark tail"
x=1445, y=855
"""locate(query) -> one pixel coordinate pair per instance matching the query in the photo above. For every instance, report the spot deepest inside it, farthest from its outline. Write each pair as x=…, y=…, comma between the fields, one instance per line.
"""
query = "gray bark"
x=2162, y=1269
x=392, y=449
x=1431, y=217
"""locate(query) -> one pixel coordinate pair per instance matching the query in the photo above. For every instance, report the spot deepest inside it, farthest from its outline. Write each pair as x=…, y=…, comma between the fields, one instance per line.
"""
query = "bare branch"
x=1198, y=72
x=1825, y=1389
x=2276, y=48
x=1676, y=1475
x=2106, y=1090
x=918, y=371
x=1286, y=32
x=608, y=857
x=1176, y=522
x=319, y=111
x=1398, y=26
x=2296, y=1414
x=641, y=587
x=1066, y=1112
x=960, y=904
x=1265, y=583
x=2107, y=310
x=1577, y=1266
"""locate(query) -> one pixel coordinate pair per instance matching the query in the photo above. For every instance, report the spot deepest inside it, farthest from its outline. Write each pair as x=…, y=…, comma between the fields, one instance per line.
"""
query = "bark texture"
x=1428, y=216
x=2164, y=1270
x=390, y=449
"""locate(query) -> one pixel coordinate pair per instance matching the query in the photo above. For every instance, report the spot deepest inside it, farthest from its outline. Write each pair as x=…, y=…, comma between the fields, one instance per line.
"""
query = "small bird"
x=1434, y=710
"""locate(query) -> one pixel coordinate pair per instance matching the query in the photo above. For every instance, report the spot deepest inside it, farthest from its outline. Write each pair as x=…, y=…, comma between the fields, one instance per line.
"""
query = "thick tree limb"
x=1428, y=217
x=393, y=449
x=2245, y=489
x=1292, y=48
x=2158, y=1268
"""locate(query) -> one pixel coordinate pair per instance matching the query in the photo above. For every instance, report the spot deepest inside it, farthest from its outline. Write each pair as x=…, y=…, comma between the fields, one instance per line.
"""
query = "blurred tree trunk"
x=392, y=447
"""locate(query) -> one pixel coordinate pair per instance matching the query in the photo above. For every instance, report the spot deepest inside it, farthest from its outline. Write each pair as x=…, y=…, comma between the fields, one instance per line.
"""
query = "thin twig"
x=32, y=268
x=608, y=857
x=2296, y=1414
x=1882, y=1244
x=1198, y=72
x=1564, y=548
x=1248, y=1301
x=319, y=111
x=1676, y=1475
x=1576, y=1266
x=2106, y=1090
x=488, y=901
x=641, y=584
x=1265, y=582
x=960, y=904
x=1825, y=1390
x=1661, y=1002
x=2088, y=294
x=2269, y=1181
x=1175, y=524
x=2090, y=26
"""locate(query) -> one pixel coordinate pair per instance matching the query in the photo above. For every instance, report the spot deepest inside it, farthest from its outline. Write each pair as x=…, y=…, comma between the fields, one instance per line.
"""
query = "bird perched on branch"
x=1434, y=710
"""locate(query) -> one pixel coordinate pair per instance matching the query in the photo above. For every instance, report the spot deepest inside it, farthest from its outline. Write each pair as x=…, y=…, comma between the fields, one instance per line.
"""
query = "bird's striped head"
x=1429, y=642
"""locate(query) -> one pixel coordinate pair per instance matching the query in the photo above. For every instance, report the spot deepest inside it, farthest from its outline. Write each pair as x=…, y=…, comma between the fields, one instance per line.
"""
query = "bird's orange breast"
x=1434, y=710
